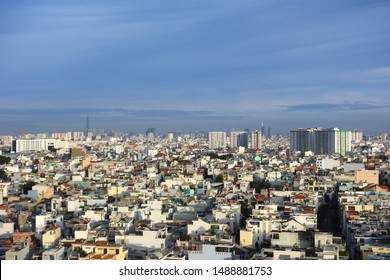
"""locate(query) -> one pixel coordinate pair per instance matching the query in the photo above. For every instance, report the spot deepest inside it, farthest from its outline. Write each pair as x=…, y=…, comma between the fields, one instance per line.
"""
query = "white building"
x=171, y=136
x=119, y=149
x=327, y=163
x=212, y=252
x=6, y=229
x=4, y=188
x=217, y=139
x=22, y=145
x=95, y=214
x=54, y=254
x=148, y=238
x=18, y=252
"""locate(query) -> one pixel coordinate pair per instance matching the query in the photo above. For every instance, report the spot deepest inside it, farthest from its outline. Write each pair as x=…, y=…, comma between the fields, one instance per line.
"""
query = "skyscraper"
x=87, y=127
x=87, y=122
x=256, y=140
x=356, y=135
x=217, y=139
x=151, y=133
x=262, y=129
x=321, y=141
x=238, y=139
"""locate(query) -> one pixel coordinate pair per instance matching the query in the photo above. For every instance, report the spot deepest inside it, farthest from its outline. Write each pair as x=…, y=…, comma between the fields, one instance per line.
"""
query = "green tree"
x=219, y=178
x=28, y=186
x=212, y=155
x=3, y=175
x=4, y=160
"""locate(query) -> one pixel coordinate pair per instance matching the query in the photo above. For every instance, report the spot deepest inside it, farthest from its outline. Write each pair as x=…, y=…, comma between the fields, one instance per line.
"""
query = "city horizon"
x=158, y=132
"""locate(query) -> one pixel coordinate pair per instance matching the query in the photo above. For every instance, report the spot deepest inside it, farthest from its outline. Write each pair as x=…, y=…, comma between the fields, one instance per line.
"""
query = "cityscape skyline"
x=194, y=66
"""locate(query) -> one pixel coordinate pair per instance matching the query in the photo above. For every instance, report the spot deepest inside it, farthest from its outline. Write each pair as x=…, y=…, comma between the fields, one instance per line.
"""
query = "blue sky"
x=194, y=65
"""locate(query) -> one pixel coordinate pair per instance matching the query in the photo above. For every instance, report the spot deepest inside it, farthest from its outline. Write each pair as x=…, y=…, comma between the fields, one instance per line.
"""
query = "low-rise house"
x=199, y=251
x=105, y=251
x=19, y=251
x=51, y=237
x=54, y=254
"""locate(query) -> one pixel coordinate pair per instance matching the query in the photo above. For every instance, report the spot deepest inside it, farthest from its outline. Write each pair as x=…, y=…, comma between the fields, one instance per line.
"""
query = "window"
x=221, y=249
x=275, y=236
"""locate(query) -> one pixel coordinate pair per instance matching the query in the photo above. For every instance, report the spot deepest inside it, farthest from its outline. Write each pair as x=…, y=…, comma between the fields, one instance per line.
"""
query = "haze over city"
x=194, y=65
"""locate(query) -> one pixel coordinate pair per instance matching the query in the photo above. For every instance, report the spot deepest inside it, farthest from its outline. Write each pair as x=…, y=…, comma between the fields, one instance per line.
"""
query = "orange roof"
x=133, y=145
x=299, y=196
x=351, y=213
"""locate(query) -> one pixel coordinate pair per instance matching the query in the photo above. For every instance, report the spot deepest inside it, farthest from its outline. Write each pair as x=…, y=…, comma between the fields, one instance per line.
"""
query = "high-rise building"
x=256, y=140
x=63, y=136
x=170, y=136
x=238, y=139
x=356, y=135
x=269, y=132
x=77, y=135
x=262, y=129
x=321, y=141
x=217, y=140
x=87, y=130
x=151, y=133
x=24, y=145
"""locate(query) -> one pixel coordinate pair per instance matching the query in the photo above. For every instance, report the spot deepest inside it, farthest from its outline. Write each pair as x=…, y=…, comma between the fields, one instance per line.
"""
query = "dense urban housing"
x=319, y=194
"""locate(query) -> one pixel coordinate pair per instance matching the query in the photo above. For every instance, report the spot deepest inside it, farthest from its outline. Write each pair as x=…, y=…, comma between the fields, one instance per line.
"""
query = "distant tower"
x=87, y=128
x=262, y=129
x=269, y=132
x=87, y=121
x=151, y=133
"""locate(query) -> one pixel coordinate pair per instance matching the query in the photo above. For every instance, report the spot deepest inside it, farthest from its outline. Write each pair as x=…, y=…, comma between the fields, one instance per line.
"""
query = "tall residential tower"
x=321, y=141
x=217, y=140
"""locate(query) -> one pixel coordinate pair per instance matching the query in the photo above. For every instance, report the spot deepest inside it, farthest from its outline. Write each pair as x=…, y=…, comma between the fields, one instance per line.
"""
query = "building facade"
x=256, y=139
x=24, y=145
x=217, y=139
x=238, y=139
x=321, y=141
